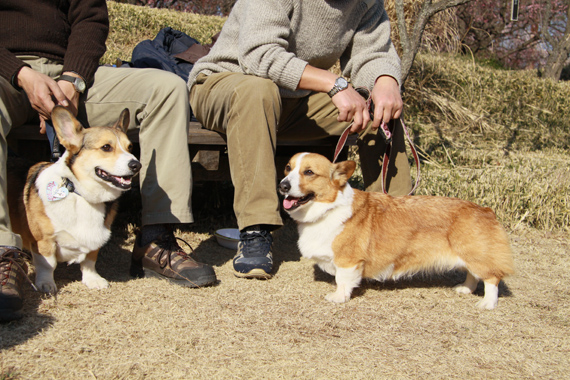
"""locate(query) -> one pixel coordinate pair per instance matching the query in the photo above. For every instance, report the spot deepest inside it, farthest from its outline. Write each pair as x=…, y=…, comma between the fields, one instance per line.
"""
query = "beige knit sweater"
x=276, y=39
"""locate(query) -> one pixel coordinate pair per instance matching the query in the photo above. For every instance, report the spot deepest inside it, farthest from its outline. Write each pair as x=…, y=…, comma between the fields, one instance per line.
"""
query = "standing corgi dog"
x=65, y=211
x=354, y=234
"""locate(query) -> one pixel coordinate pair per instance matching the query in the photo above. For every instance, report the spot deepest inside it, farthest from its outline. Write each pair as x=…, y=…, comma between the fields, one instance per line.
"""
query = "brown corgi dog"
x=354, y=234
x=65, y=211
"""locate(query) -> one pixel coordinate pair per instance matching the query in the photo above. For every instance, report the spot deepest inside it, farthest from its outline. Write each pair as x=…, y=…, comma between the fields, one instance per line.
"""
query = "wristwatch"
x=339, y=85
x=77, y=82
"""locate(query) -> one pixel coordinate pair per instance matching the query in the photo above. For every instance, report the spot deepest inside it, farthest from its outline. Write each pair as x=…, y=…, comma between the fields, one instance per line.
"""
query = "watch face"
x=80, y=85
x=342, y=83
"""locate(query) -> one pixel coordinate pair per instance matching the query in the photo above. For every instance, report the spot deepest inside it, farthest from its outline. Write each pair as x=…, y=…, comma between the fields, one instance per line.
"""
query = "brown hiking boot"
x=163, y=258
x=13, y=272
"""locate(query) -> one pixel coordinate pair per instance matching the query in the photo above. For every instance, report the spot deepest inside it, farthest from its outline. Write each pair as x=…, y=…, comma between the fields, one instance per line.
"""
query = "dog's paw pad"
x=487, y=304
x=47, y=287
x=336, y=298
x=462, y=289
x=96, y=283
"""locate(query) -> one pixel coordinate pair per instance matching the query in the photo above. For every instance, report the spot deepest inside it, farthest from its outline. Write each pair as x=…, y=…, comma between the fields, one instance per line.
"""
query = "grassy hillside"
x=132, y=24
x=496, y=137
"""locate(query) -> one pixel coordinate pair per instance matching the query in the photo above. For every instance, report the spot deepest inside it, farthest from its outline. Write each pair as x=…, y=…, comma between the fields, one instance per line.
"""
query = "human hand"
x=387, y=100
x=352, y=107
x=43, y=92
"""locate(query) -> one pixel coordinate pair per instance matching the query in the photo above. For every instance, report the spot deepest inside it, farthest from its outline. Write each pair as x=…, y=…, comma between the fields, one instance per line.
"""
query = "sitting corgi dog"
x=65, y=210
x=354, y=234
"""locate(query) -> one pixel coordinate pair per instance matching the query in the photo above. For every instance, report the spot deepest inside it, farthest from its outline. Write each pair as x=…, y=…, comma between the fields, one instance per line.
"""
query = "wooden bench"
x=208, y=149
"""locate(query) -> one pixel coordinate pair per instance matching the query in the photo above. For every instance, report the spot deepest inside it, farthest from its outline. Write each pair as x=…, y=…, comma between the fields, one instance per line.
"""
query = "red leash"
x=386, y=158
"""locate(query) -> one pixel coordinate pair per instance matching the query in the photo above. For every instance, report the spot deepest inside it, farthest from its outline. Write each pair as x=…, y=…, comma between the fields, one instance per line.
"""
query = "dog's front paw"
x=337, y=297
x=95, y=282
x=46, y=286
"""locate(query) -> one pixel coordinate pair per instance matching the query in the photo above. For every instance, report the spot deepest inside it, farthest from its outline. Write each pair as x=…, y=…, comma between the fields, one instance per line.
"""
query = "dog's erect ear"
x=343, y=171
x=123, y=122
x=68, y=128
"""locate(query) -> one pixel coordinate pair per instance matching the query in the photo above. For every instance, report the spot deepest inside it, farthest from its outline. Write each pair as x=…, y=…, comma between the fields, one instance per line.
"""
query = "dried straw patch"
x=283, y=328
x=131, y=24
x=454, y=102
x=524, y=189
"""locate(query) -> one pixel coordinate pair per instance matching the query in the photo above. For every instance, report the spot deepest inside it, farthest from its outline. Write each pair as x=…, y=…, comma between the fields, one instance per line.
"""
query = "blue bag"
x=166, y=52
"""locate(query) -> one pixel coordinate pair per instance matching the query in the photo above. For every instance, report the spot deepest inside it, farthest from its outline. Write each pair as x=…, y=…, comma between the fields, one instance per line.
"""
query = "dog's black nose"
x=285, y=185
x=135, y=166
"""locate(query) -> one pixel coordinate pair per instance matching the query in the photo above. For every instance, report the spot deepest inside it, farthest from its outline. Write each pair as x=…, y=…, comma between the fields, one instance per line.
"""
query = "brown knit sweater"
x=70, y=31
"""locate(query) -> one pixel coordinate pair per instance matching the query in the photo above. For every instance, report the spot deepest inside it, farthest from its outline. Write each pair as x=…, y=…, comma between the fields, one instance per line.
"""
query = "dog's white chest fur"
x=78, y=225
x=316, y=238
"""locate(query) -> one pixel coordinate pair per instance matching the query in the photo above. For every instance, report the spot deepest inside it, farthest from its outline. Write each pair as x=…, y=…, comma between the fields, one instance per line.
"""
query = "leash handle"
x=386, y=161
x=341, y=142
x=387, y=133
x=363, y=91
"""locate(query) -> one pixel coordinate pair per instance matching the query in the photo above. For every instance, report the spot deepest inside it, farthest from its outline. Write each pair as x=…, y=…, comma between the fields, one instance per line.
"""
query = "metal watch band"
x=339, y=85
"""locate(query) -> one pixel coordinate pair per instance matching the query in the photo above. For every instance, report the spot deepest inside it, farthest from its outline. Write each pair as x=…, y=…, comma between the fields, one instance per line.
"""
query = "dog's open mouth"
x=123, y=182
x=291, y=203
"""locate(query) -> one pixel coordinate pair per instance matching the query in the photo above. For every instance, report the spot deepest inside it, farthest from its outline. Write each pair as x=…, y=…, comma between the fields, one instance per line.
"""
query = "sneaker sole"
x=254, y=273
x=198, y=283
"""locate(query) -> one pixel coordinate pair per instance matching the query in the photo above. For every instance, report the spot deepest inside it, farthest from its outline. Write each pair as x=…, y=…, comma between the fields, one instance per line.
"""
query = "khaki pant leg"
x=158, y=105
x=246, y=108
x=15, y=110
x=13, y=105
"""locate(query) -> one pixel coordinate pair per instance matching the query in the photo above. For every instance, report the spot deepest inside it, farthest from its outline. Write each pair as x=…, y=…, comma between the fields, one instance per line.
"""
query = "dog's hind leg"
x=45, y=265
x=346, y=280
x=468, y=286
x=491, y=297
x=90, y=277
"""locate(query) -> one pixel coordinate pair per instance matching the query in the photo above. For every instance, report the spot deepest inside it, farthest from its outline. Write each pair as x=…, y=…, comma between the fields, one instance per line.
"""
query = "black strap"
x=55, y=148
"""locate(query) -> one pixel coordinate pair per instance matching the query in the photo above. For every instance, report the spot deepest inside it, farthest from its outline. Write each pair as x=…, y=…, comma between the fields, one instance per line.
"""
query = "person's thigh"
x=219, y=100
x=309, y=118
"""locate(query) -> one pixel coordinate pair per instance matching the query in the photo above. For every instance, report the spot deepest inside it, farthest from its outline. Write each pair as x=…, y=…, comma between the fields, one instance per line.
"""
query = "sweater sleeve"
x=89, y=22
x=371, y=53
x=263, y=43
x=9, y=64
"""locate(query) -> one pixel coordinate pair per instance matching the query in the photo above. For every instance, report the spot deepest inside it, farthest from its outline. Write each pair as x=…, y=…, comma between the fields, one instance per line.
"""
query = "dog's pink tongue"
x=289, y=202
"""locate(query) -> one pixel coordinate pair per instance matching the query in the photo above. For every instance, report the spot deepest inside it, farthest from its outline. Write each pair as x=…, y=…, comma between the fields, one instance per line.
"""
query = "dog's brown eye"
x=106, y=148
x=287, y=168
x=308, y=172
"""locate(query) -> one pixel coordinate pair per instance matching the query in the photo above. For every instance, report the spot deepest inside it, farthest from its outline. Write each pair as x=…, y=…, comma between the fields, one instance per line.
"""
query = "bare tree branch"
x=411, y=45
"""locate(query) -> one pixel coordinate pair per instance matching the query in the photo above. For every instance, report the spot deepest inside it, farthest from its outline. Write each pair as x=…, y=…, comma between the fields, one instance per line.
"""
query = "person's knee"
x=257, y=89
x=172, y=83
x=164, y=83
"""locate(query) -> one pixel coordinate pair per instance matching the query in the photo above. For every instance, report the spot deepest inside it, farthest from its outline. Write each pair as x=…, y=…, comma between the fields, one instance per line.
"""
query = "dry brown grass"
x=283, y=328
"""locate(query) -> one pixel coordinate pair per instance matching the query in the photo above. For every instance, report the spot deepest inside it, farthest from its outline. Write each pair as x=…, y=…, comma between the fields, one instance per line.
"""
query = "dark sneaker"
x=13, y=273
x=254, y=258
x=163, y=258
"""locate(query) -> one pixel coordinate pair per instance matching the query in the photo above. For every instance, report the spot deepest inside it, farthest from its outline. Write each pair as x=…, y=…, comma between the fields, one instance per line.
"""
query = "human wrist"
x=19, y=77
x=339, y=85
x=75, y=79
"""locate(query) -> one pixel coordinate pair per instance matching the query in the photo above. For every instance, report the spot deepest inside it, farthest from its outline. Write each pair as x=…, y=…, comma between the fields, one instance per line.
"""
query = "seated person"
x=39, y=69
x=267, y=78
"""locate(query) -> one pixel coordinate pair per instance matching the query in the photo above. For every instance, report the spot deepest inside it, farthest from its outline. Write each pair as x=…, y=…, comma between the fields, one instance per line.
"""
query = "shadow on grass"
x=445, y=280
x=31, y=323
